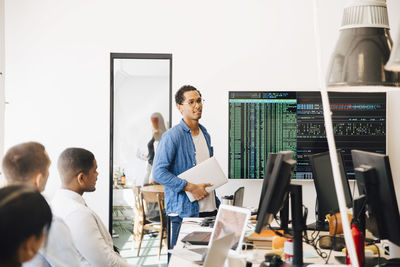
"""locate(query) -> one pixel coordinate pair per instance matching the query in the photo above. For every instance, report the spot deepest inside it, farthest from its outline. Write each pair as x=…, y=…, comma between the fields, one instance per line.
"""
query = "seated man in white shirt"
x=28, y=164
x=78, y=172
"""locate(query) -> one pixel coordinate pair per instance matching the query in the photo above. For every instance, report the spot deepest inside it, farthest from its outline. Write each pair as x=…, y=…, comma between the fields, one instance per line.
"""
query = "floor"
x=148, y=252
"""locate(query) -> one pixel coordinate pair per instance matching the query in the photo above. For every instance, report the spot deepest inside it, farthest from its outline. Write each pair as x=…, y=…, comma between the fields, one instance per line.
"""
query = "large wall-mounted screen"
x=263, y=122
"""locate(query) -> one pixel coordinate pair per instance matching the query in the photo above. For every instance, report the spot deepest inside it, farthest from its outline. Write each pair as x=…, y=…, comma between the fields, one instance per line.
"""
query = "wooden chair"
x=160, y=227
x=138, y=215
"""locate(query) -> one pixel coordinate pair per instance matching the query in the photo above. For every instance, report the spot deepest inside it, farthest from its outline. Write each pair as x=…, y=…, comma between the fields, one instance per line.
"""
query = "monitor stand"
x=320, y=224
x=298, y=224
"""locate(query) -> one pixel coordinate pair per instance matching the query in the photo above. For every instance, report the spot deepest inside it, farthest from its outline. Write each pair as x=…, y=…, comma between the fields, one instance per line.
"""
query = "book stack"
x=264, y=239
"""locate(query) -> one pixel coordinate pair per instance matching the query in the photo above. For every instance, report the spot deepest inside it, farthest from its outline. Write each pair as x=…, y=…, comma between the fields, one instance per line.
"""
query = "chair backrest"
x=157, y=197
x=149, y=196
x=139, y=208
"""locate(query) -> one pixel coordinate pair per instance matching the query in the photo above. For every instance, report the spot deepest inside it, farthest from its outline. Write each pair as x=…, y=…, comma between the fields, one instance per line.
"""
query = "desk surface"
x=188, y=225
x=256, y=256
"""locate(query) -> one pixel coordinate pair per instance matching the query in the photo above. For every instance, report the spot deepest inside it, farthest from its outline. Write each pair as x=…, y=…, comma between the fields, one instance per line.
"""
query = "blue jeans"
x=176, y=223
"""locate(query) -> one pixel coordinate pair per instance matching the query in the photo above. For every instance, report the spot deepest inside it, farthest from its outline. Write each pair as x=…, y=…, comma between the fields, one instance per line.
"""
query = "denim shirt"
x=175, y=155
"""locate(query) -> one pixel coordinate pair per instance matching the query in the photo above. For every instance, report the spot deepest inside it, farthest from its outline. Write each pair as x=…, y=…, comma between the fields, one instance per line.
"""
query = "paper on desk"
x=208, y=171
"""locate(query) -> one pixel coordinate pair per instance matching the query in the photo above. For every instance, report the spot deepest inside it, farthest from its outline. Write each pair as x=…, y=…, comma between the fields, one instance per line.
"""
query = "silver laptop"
x=218, y=251
x=229, y=219
x=215, y=255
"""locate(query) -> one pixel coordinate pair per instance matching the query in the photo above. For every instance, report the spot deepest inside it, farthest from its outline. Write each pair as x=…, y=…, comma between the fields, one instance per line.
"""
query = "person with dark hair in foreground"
x=28, y=164
x=181, y=148
x=78, y=172
x=25, y=219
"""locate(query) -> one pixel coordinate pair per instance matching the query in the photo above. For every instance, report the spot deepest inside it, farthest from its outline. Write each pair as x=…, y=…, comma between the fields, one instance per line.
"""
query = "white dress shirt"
x=59, y=249
x=89, y=233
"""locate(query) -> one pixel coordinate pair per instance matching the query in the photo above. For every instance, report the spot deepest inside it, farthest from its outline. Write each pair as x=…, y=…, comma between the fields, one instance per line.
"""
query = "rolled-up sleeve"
x=165, y=155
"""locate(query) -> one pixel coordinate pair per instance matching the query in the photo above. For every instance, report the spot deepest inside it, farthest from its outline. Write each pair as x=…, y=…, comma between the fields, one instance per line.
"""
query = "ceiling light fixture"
x=363, y=47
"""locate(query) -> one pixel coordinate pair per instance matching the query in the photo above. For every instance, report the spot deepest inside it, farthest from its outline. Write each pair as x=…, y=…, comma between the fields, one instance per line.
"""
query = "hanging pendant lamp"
x=363, y=47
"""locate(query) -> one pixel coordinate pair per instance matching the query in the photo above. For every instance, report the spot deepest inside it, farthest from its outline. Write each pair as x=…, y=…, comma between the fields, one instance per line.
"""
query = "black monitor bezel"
x=386, y=196
x=269, y=166
x=277, y=189
x=324, y=184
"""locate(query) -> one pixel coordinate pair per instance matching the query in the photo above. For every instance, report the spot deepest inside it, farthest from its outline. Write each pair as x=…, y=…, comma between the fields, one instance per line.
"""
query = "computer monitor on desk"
x=275, y=198
x=375, y=184
x=277, y=177
x=267, y=173
x=374, y=180
x=327, y=202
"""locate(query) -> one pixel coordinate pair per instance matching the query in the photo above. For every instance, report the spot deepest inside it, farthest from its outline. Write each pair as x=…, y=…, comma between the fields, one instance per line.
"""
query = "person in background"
x=25, y=219
x=158, y=129
x=28, y=164
x=181, y=148
x=78, y=173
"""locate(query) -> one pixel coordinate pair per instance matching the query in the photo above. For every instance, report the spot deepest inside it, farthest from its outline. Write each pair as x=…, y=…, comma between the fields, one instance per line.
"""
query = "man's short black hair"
x=24, y=213
x=72, y=161
x=179, y=94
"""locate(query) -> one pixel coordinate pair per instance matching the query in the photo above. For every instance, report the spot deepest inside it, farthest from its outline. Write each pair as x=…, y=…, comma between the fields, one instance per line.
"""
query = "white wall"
x=57, y=59
x=2, y=100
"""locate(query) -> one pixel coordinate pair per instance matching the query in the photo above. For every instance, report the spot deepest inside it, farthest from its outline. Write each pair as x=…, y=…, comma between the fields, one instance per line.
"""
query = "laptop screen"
x=230, y=219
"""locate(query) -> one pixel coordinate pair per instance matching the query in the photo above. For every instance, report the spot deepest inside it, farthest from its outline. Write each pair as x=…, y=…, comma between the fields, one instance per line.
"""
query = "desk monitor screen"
x=268, y=122
x=267, y=173
x=325, y=185
x=277, y=189
x=376, y=182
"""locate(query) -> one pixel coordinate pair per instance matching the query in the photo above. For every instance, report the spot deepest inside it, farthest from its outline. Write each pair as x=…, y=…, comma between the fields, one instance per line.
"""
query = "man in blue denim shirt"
x=181, y=148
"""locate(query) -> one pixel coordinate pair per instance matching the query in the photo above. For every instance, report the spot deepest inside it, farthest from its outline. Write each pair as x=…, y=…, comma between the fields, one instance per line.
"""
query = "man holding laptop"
x=182, y=147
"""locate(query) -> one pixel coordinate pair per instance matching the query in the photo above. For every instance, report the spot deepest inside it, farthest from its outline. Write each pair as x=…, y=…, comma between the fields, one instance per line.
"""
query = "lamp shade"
x=363, y=47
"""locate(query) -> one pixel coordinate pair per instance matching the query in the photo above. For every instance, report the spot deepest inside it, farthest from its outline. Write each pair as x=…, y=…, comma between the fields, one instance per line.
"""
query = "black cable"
x=276, y=231
x=313, y=242
x=333, y=243
x=314, y=236
x=277, y=220
x=379, y=255
x=316, y=233
x=356, y=219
